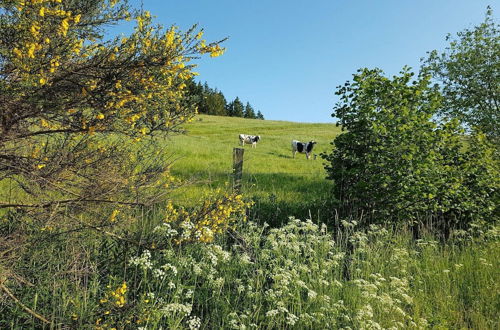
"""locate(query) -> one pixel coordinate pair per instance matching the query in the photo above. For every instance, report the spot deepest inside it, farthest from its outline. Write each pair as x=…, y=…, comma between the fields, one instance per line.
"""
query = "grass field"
x=280, y=185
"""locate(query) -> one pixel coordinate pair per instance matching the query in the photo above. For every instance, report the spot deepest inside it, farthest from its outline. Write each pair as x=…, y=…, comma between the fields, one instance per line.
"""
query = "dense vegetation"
x=110, y=222
x=396, y=164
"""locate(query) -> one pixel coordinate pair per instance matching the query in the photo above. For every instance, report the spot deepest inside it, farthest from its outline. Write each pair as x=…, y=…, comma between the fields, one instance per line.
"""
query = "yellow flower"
x=17, y=52
x=44, y=123
x=112, y=218
x=63, y=29
x=31, y=50
x=170, y=37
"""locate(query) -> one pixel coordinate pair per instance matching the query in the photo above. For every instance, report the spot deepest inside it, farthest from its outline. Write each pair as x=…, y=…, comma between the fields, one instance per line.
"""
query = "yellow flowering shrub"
x=111, y=304
x=202, y=224
x=70, y=92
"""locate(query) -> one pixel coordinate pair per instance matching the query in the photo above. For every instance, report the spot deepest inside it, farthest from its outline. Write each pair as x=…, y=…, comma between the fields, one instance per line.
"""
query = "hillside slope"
x=278, y=183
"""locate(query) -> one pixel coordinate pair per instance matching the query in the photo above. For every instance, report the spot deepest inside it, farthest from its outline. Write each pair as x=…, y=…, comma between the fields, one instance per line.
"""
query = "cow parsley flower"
x=194, y=323
x=144, y=261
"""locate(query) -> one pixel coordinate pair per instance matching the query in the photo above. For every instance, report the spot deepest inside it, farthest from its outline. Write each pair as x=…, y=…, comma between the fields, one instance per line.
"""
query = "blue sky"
x=287, y=57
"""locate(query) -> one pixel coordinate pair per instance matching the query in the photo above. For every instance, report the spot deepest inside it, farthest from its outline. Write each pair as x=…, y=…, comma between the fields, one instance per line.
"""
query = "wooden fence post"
x=237, y=169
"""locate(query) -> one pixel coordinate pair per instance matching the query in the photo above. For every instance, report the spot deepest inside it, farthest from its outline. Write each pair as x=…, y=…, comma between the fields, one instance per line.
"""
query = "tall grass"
x=300, y=275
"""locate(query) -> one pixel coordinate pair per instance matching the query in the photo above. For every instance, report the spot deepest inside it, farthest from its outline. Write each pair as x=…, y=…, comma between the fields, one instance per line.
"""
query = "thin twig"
x=23, y=306
x=66, y=201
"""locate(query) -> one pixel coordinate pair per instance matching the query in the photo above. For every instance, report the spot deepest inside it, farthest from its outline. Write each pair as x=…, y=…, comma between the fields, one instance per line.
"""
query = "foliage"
x=73, y=103
x=394, y=164
x=260, y=115
x=249, y=112
x=468, y=73
x=236, y=108
x=213, y=217
x=259, y=277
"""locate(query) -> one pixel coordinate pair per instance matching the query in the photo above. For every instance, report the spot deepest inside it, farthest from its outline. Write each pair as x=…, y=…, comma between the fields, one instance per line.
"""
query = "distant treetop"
x=211, y=101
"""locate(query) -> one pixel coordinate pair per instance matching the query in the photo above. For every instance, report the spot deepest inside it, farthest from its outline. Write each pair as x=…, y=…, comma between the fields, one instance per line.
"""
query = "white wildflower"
x=144, y=261
x=194, y=323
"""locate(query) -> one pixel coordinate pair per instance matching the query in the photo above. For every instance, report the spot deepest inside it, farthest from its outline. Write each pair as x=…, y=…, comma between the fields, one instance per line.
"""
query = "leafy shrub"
x=394, y=164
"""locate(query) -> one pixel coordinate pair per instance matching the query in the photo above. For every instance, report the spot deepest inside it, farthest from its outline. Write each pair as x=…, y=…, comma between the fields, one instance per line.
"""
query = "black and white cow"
x=302, y=147
x=249, y=139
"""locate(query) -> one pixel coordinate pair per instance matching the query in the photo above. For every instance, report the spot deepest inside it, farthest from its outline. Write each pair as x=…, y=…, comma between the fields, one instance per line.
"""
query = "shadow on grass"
x=280, y=155
x=277, y=196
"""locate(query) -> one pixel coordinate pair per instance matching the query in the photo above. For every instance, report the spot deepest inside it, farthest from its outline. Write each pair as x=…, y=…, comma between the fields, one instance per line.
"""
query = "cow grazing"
x=249, y=139
x=302, y=147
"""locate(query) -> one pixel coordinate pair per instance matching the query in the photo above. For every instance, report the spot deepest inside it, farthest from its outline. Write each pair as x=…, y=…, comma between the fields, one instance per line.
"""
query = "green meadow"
x=279, y=184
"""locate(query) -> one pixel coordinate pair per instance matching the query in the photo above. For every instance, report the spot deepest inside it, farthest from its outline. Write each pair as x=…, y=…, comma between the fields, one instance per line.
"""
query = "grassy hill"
x=280, y=185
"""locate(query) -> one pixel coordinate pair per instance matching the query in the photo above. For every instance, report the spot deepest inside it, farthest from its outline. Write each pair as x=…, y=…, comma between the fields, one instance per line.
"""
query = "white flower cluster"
x=165, y=230
x=176, y=308
x=392, y=301
x=144, y=261
x=194, y=323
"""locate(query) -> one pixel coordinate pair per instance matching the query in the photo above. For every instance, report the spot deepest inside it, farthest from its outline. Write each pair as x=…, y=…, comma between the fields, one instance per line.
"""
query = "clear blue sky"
x=287, y=57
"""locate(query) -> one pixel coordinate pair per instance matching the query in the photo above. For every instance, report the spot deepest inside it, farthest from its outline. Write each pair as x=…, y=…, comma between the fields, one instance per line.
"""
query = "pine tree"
x=260, y=115
x=249, y=112
x=238, y=109
x=230, y=109
x=216, y=103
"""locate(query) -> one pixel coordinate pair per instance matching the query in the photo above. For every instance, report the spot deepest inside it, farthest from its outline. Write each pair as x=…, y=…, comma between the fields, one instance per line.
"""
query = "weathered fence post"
x=237, y=169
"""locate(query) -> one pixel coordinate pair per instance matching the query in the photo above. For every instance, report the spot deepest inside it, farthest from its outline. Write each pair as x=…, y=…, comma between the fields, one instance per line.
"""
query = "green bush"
x=394, y=163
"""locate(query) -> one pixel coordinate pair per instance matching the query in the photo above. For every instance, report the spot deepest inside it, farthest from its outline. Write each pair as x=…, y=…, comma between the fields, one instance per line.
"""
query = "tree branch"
x=67, y=201
x=23, y=306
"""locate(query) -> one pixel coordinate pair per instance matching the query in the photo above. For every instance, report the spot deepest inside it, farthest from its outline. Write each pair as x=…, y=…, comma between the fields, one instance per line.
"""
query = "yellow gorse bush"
x=78, y=103
x=213, y=217
x=133, y=83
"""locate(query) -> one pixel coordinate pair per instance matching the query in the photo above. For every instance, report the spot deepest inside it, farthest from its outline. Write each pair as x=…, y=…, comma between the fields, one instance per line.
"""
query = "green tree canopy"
x=468, y=72
x=237, y=108
x=249, y=111
x=392, y=163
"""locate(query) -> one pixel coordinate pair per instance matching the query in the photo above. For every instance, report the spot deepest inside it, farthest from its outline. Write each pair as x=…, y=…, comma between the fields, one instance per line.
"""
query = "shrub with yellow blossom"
x=113, y=301
x=202, y=224
x=80, y=117
x=73, y=102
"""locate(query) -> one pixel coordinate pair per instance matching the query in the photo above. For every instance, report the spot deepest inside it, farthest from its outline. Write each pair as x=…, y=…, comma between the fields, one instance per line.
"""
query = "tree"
x=215, y=103
x=249, y=112
x=468, y=73
x=392, y=163
x=230, y=109
x=260, y=115
x=72, y=104
x=238, y=109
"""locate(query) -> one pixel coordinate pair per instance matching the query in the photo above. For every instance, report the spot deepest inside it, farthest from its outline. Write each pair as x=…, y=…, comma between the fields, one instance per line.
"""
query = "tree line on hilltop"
x=211, y=101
